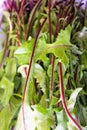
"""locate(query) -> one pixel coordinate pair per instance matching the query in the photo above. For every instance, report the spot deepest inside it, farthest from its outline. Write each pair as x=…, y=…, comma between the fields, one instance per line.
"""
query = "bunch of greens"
x=43, y=66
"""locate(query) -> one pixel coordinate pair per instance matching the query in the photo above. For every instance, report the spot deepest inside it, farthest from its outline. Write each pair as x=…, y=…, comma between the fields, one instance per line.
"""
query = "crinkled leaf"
x=41, y=49
x=58, y=48
x=23, y=52
x=64, y=36
x=7, y=87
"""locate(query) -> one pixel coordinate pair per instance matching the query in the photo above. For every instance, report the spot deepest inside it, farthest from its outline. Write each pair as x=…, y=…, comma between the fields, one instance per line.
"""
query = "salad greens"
x=43, y=66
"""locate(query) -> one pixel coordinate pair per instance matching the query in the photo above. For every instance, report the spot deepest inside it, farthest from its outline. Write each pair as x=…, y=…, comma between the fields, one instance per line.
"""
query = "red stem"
x=50, y=21
x=21, y=8
x=63, y=99
x=30, y=65
x=18, y=16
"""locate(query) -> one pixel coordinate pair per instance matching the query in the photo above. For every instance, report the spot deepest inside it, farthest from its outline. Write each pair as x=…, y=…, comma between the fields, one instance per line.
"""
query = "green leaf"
x=83, y=58
x=39, y=75
x=31, y=93
x=5, y=118
x=54, y=100
x=1, y=72
x=41, y=109
x=1, y=54
x=23, y=52
x=42, y=49
x=58, y=48
x=71, y=102
x=8, y=87
x=62, y=120
x=82, y=113
x=11, y=69
x=71, y=126
x=64, y=36
x=43, y=125
x=60, y=127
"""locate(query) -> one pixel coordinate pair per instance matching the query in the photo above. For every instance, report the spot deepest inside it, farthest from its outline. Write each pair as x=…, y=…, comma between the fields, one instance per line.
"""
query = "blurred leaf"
x=60, y=127
x=39, y=75
x=71, y=126
x=62, y=120
x=11, y=69
x=82, y=113
x=1, y=72
x=8, y=87
x=54, y=100
x=83, y=58
x=43, y=125
x=5, y=118
x=71, y=102
x=29, y=118
x=64, y=36
x=1, y=54
x=23, y=52
x=41, y=109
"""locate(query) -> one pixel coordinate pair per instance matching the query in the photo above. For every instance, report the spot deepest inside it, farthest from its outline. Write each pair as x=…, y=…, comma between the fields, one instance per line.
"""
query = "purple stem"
x=63, y=99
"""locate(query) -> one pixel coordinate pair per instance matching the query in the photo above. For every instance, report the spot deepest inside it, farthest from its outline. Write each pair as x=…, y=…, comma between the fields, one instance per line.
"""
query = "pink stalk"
x=63, y=99
x=29, y=69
